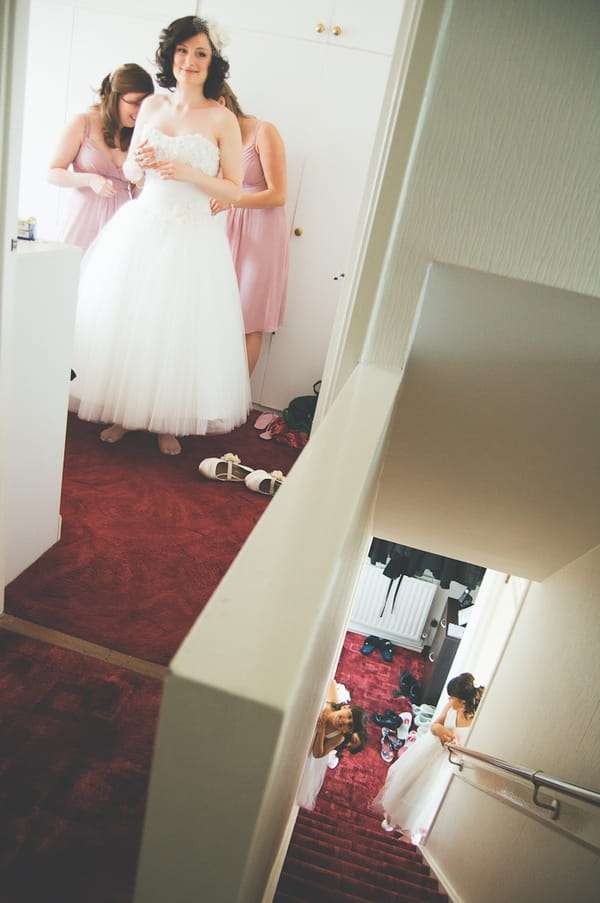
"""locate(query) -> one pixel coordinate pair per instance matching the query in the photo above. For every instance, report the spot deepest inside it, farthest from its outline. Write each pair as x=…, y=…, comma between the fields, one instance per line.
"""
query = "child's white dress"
x=415, y=782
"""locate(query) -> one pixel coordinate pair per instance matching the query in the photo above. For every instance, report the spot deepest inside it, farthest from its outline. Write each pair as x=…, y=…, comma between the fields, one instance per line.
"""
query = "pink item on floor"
x=264, y=420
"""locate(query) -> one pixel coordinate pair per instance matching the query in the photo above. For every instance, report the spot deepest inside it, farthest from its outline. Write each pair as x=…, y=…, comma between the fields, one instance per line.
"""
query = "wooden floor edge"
x=84, y=647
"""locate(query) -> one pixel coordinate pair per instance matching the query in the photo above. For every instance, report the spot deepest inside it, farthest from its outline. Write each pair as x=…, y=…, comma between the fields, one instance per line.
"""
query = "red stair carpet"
x=145, y=539
x=76, y=740
x=145, y=542
x=370, y=682
x=338, y=855
x=338, y=852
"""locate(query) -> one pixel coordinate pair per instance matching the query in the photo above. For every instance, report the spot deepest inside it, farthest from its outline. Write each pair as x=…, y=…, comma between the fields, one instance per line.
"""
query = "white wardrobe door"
x=289, y=19
x=331, y=191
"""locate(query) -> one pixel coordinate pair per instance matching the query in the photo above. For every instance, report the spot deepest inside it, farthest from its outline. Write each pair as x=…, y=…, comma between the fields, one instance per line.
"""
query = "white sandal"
x=266, y=483
x=228, y=467
x=404, y=728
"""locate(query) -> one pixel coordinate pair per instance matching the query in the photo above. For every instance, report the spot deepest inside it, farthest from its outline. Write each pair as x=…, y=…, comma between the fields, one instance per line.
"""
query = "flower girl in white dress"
x=415, y=781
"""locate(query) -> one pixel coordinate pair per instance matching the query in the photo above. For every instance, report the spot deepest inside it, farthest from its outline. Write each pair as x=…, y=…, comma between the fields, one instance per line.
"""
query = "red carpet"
x=337, y=855
x=370, y=682
x=145, y=538
x=77, y=737
x=145, y=542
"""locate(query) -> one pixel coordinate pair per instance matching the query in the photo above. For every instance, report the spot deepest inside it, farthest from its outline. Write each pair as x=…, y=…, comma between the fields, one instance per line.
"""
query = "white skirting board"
x=406, y=625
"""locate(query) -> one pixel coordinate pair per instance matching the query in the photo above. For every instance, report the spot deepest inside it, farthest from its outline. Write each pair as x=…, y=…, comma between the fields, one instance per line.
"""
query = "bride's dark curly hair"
x=354, y=740
x=463, y=687
x=174, y=34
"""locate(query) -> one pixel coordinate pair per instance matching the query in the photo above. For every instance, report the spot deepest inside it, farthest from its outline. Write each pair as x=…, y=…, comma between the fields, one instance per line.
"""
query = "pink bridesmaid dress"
x=85, y=213
x=259, y=240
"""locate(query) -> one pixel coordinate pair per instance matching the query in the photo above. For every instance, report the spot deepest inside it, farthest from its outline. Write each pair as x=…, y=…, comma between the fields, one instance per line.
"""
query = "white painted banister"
x=246, y=686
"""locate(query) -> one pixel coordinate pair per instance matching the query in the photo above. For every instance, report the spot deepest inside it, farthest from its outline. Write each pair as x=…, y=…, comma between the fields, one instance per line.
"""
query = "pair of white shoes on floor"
x=229, y=468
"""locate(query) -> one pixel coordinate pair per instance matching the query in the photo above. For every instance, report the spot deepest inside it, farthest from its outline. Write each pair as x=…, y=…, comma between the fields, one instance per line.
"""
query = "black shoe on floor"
x=371, y=643
x=406, y=681
x=387, y=650
x=387, y=720
x=415, y=694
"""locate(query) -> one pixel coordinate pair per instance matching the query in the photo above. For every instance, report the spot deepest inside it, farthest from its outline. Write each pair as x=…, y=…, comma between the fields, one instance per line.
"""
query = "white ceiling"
x=494, y=451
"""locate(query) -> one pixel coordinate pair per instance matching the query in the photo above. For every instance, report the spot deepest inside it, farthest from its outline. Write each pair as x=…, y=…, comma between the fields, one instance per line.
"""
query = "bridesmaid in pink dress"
x=257, y=227
x=92, y=151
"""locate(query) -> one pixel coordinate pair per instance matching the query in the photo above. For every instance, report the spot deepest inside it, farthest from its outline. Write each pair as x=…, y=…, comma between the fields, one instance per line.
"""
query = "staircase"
x=339, y=855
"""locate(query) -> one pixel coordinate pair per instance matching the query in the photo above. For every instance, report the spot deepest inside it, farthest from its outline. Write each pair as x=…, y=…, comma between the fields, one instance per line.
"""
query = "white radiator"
x=407, y=624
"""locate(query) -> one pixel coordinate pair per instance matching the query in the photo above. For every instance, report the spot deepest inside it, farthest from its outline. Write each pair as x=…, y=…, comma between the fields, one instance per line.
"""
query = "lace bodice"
x=195, y=149
x=180, y=202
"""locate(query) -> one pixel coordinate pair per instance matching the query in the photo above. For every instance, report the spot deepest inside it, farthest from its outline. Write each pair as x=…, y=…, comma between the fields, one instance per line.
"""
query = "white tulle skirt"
x=415, y=783
x=159, y=337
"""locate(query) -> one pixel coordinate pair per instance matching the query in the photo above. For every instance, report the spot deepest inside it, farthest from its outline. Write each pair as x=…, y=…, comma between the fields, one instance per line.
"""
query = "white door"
x=333, y=181
x=319, y=72
x=348, y=23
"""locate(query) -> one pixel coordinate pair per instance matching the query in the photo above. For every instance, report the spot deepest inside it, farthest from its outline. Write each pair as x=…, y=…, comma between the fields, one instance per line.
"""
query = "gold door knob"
x=297, y=231
x=336, y=30
x=319, y=28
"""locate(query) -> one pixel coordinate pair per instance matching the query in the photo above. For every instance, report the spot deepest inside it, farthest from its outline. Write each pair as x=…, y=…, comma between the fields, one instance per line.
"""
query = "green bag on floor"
x=300, y=412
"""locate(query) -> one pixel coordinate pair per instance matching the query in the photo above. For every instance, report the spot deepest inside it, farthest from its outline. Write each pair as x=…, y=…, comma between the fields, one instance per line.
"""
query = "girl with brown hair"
x=91, y=152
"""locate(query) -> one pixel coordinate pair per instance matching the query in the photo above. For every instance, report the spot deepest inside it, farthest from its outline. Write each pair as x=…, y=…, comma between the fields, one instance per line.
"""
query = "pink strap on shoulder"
x=259, y=122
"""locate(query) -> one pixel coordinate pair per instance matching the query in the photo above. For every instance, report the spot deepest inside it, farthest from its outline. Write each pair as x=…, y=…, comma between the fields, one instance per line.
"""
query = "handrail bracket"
x=553, y=806
x=458, y=762
x=539, y=779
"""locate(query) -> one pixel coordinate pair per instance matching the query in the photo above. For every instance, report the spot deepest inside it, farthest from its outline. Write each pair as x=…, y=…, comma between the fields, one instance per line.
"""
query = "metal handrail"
x=537, y=778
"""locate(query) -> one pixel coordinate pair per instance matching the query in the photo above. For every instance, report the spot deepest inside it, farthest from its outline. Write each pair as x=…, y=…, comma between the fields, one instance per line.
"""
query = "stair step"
x=306, y=891
x=307, y=843
x=379, y=853
x=365, y=868
x=282, y=897
x=350, y=817
x=377, y=838
x=339, y=854
x=375, y=890
x=331, y=808
x=394, y=853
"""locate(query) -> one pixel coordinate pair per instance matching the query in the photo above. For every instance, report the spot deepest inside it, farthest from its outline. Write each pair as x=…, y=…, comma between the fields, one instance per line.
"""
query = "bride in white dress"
x=159, y=337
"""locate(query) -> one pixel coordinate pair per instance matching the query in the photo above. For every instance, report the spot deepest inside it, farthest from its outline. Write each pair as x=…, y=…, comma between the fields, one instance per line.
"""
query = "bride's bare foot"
x=168, y=444
x=113, y=433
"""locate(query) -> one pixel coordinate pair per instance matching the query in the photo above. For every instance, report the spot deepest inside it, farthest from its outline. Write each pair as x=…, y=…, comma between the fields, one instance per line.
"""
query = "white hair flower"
x=217, y=34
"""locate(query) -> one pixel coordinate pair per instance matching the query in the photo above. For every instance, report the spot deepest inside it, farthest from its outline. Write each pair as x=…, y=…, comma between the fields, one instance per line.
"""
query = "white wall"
x=541, y=711
x=13, y=36
x=72, y=46
x=495, y=409
x=503, y=176
x=502, y=179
